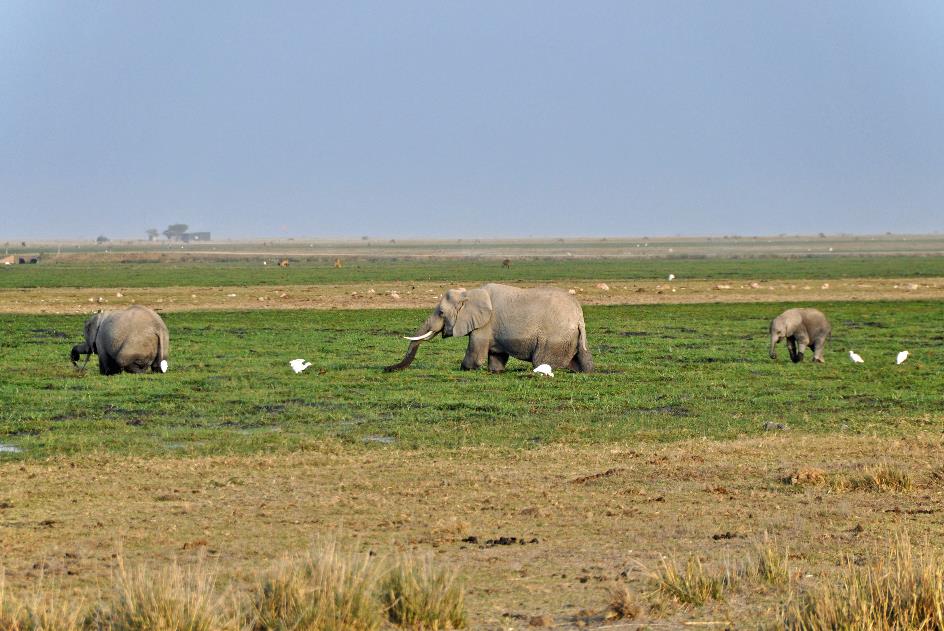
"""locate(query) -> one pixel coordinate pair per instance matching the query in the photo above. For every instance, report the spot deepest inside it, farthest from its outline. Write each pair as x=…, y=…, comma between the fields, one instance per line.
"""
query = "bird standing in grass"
x=902, y=356
x=856, y=358
x=544, y=369
x=298, y=365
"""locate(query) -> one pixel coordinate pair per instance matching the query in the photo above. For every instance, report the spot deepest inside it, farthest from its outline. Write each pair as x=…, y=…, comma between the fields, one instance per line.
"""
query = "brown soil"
x=423, y=295
x=535, y=533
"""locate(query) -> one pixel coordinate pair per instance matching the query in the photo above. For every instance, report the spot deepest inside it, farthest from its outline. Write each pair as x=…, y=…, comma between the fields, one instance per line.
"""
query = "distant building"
x=187, y=237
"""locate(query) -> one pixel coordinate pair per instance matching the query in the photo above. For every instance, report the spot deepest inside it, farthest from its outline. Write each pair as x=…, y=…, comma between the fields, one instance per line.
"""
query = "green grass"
x=320, y=270
x=664, y=373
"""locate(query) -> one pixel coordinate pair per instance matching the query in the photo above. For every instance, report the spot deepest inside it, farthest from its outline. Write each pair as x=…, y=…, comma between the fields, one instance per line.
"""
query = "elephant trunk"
x=773, y=345
x=428, y=331
x=78, y=350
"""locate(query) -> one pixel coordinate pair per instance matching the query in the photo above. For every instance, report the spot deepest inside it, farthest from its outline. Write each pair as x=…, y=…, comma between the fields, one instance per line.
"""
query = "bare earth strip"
x=582, y=518
x=425, y=294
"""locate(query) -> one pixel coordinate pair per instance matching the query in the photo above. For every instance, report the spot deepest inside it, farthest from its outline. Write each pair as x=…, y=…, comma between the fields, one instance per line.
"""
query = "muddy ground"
x=536, y=532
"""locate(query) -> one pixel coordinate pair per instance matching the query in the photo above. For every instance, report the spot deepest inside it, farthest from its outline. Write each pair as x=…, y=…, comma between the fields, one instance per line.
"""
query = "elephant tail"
x=163, y=348
x=584, y=358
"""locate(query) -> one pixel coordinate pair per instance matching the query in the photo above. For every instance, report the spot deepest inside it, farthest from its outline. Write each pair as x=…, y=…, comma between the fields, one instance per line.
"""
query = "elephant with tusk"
x=542, y=325
x=126, y=340
x=801, y=328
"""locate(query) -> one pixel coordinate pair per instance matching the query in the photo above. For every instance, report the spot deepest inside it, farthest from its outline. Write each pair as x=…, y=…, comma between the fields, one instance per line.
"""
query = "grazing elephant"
x=801, y=328
x=541, y=325
x=129, y=340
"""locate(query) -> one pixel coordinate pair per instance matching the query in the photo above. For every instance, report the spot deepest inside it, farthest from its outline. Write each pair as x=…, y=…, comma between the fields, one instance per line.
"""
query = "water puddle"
x=383, y=440
x=9, y=449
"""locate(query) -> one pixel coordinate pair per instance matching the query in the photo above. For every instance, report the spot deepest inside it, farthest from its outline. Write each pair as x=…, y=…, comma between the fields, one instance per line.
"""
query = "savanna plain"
x=690, y=481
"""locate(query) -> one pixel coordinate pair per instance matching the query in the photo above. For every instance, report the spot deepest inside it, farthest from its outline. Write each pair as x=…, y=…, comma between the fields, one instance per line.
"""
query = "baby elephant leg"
x=819, y=346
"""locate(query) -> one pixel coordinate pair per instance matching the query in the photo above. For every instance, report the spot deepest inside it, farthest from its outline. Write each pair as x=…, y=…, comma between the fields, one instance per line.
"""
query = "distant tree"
x=102, y=239
x=152, y=234
x=176, y=231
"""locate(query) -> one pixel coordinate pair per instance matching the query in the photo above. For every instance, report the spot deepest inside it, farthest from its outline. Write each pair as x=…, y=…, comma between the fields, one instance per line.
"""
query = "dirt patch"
x=666, y=501
x=425, y=294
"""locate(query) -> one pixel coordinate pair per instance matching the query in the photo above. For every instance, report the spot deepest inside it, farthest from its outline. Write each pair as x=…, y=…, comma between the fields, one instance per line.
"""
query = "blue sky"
x=471, y=119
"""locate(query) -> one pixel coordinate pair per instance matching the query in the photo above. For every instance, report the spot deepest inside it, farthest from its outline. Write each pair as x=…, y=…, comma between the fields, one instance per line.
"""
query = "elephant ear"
x=474, y=313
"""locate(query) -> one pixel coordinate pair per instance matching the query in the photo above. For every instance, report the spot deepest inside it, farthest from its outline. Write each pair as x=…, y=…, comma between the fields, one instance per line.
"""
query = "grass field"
x=663, y=373
x=687, y=443
x=317, y=270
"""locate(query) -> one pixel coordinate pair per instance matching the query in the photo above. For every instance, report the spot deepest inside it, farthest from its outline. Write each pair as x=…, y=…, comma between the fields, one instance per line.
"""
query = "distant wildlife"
x=671, y=276
x=856, y=358
x=299, y=365
x=544, y=369
x=901, y=357
x=338, y=263
x=126, y=340
x=801, y=328
x=542, y=325
x=283, y=263
x=506, y=263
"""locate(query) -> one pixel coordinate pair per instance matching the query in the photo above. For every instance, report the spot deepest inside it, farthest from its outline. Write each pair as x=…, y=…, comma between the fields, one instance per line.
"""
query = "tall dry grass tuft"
x=41, y=611
x=903, y=591
x=419, y=595
x=692, y=584
x=169, y=599
x=882, y=478
x=330, y=588
x=767, y=563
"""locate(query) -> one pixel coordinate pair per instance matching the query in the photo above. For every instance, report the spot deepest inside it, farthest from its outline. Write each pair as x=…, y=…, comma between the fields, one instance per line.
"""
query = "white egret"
x=298, y=365
x=902, y=356
x=671, y=276
x=163, y=365
x=544, y=369
x=856, y=358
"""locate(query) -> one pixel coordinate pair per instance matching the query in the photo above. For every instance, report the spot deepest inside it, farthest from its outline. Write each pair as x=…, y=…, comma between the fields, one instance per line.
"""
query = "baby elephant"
x=801, y=328
x=129, y=340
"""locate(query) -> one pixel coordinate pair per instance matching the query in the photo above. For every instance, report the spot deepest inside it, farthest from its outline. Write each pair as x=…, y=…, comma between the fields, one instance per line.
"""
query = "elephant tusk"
x=425, y=336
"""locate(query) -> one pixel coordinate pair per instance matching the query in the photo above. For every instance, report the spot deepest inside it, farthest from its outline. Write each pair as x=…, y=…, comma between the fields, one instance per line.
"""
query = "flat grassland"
x=678, y=445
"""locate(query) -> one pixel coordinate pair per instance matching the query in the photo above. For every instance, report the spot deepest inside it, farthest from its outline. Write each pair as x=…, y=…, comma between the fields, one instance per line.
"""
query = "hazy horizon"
x=471, y=120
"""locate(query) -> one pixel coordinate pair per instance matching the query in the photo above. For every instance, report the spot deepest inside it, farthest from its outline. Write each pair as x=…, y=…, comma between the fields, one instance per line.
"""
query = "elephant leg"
x=477, y=352
x=497, y=361
x=802, y=343
x=792, y=347
x=819, y=346
x=107, y=365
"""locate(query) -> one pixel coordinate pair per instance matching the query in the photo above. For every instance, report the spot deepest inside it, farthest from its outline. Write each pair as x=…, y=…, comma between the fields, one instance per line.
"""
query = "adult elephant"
x=542, y=325
x=128, y=340
x=801, y=328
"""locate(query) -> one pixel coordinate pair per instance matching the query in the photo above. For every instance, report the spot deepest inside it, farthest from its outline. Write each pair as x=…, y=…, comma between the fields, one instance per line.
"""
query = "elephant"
x=542, y=325
x=125, y=340
x=801, y=328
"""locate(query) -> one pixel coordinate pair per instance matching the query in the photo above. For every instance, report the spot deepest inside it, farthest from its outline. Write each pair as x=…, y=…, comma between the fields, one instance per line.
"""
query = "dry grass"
x=419, y=595
x=665, y=500
x=881, y=478
x=330, y=588
x=167, y=599
x=622, y=603
x=41, y=610
x=767, y=563
x=903, y=591
x=691, y=584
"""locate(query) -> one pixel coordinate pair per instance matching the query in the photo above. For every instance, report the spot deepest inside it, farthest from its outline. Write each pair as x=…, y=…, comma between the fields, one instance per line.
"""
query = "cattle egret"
x=544, y=369
x=298, y=365
x=856, y=358
x=902, y=356
x=671, y=276
x=163, y=365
